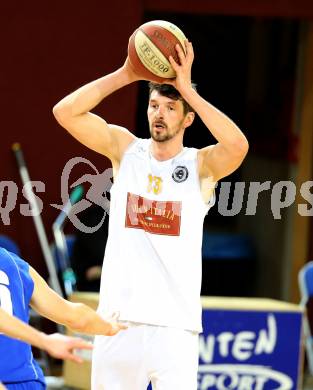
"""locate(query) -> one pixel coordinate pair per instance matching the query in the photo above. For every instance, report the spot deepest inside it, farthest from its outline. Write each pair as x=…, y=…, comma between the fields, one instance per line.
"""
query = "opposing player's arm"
x=13, y=327
x=76, y=316
x=73, y=113
x=57, y=345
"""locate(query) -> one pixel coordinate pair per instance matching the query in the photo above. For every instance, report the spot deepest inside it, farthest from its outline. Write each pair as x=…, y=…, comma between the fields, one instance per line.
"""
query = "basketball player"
x=20, y=285
x=161, y=193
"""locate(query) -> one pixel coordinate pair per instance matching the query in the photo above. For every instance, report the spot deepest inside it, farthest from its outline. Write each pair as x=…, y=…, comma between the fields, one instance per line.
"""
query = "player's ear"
x=189, y=118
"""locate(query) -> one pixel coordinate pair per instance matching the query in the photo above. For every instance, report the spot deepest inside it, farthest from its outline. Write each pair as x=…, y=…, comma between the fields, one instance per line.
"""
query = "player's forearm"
x=224, y=130
x=85, y=320
x=90, y=95
x=15, y=328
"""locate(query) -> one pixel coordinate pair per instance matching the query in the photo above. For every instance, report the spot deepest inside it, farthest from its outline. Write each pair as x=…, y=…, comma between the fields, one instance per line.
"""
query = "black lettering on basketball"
x=162, y=39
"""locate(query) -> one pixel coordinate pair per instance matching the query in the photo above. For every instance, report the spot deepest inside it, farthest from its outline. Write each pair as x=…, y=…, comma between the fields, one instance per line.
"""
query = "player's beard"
x=166, y=134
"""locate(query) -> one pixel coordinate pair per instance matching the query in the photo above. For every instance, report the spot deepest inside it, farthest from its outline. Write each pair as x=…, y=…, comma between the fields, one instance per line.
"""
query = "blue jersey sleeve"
x=16, y=290
x=27, y=282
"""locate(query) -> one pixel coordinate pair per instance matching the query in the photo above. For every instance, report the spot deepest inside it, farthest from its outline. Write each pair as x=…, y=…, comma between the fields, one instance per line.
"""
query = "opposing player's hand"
x=62, y=347
x=182, y=80
x=114, y=326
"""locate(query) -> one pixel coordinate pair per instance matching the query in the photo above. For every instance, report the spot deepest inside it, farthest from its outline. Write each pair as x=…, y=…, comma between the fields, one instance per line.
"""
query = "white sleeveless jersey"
x=152, y=266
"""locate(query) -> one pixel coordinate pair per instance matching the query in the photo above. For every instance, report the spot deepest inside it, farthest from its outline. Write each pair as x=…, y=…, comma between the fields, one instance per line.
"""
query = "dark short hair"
x=172, y=93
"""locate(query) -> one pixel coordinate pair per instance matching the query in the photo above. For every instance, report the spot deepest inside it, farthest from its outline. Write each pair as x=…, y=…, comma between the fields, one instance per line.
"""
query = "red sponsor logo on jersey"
x=153, y=216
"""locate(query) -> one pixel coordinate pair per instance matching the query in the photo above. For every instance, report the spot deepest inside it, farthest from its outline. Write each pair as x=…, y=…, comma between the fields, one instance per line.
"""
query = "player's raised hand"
x=183, y=70
x=131, y=72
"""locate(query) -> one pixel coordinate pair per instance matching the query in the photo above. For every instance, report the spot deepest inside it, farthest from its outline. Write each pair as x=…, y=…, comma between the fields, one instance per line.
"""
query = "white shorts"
x=167, y=357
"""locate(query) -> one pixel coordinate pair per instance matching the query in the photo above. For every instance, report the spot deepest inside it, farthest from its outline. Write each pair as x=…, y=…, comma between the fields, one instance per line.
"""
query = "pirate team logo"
x=180, y=174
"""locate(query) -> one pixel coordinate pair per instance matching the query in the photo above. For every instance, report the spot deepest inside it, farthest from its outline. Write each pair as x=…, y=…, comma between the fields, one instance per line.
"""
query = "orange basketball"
x=150, y=47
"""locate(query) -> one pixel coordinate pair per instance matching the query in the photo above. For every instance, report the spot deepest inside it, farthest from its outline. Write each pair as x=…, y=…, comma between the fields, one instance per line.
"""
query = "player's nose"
x=160, y=112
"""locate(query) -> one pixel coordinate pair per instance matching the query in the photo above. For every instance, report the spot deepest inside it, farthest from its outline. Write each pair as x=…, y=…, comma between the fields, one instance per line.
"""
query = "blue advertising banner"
x=250, y=350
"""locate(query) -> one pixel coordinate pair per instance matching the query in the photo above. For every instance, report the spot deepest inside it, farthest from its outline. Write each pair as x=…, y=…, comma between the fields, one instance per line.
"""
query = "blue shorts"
x=30, y=385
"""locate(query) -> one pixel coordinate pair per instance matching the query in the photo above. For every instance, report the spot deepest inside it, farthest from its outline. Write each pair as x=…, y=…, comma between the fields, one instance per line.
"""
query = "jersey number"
x=154, y=184
x=5, y=295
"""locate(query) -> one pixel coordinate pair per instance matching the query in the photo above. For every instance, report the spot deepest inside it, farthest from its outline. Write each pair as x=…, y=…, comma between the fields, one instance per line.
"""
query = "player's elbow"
x=62, y=112
x=240, y=146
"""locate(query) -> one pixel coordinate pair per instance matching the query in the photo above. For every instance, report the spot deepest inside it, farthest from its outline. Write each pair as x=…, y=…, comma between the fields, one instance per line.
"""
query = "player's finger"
x=116, y=327
x=174, y=64
x=189, y=49
x=81, y=344
x=186, y=45
x=181, y=54
x=122, y=326
x=74, y=358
